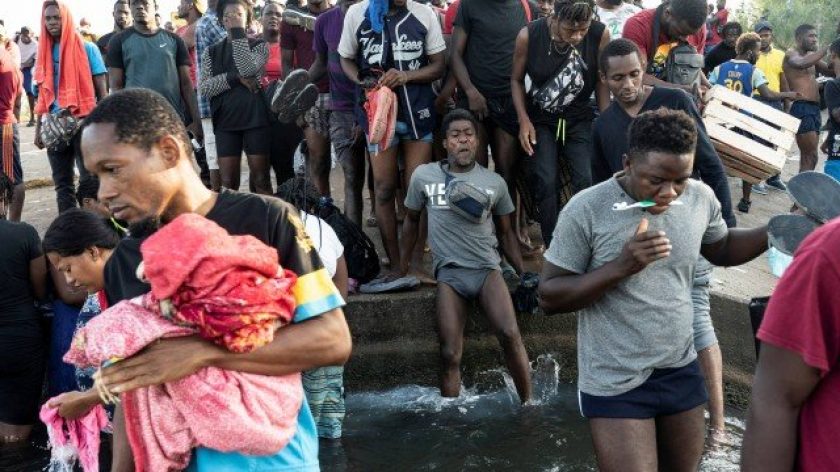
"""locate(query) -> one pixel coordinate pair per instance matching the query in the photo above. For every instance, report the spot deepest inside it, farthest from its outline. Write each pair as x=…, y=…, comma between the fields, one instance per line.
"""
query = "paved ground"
x=750, y=280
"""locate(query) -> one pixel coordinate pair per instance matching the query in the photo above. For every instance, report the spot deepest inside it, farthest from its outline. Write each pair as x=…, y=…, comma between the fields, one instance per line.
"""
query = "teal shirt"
x=97, y=67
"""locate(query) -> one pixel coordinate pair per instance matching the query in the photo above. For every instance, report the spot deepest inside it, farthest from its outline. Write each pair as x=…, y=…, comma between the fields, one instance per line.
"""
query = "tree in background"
x=786, y=15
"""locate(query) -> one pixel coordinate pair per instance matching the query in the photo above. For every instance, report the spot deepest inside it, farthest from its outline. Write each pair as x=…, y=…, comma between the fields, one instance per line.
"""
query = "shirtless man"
x=802, y=62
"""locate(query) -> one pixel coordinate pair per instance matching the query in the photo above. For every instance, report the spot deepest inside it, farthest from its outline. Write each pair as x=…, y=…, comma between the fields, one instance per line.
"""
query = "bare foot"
x=423, y=277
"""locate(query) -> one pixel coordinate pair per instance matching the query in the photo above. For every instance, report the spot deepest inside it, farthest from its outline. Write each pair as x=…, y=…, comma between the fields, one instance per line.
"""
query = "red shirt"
x=722, y=17
x=804, y=317
x=639, y=29
x=274, y=65
x=182, y=33
x=299, y=40
x=10, y=86
x=449, y=18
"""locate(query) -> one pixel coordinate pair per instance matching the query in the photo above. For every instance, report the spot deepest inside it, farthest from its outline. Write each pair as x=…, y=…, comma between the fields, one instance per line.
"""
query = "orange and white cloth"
x=381, y=108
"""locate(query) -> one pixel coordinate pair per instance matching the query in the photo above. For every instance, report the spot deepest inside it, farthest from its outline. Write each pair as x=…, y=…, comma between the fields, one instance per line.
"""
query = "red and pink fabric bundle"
x=229, y=290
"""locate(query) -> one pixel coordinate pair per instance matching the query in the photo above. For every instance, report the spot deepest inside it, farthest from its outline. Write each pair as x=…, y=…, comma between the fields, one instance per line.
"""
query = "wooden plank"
x=734, y=163
x=743, y=176
x=746, y=145
x=734, y=153
x=742, y=102
x=782, y=138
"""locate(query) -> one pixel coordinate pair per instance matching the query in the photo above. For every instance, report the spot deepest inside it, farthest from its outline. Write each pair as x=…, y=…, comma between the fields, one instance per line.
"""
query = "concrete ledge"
x=395, y=342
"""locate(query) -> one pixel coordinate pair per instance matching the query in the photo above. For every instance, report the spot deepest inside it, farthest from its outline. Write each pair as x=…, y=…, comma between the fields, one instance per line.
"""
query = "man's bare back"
x=799, y=80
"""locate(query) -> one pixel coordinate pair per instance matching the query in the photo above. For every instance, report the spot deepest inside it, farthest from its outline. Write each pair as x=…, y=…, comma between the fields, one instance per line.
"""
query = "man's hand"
x=250, y=83
x=394, y=78
x=527, y=136
x=74, y=405
x=478, y=104
x=645, y=248
x=165, y=361
x=442, y=104
x=39, y=143
x=791, y=96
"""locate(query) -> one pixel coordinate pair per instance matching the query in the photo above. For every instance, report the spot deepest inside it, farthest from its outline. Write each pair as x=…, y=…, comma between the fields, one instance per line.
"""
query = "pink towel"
x=74, y=439
x=214, y=408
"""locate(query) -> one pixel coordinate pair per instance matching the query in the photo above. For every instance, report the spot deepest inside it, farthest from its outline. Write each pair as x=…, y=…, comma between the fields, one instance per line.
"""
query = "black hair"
x=575, y=11
x=801, y=30
x=301, y=193
x=747, y=42
x=835, y=47
x=458, y=114
x=220, y=10
x=153, y=1
x=733, y=25
x=25, y=29
x=7, y=189
x=617, y=48
x=693, y=12
x=76, y=230
x=141, y=117
x=662, y=130
x=88, y=188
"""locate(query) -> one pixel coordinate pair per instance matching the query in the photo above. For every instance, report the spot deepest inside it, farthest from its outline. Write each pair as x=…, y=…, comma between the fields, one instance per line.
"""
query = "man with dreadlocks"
x=560, y=55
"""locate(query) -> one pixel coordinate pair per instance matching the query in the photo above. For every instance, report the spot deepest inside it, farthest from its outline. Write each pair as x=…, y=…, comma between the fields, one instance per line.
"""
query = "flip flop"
x=817, y=194
x=290, y=88
x=301, y=104
x=786, y=232
x=396, y=285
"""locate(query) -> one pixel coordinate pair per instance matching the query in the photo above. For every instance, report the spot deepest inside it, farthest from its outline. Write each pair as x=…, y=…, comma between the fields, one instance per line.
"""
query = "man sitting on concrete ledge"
x=461, y=197
x=624, y=258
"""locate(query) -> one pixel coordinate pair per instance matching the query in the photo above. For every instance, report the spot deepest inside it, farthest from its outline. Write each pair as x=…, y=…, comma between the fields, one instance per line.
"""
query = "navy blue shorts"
x=809, y=114
x=665, y=392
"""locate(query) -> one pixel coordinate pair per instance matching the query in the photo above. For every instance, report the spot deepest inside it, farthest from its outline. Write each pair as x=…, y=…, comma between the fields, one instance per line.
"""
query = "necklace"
x=555, y=41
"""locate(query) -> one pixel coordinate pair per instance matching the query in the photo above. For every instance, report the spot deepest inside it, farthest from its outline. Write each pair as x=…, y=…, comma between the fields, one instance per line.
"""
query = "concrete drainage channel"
x=395, y=343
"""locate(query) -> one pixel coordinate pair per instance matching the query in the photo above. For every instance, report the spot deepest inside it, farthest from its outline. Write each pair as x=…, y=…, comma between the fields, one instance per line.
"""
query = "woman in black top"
x=560, y=56
x=231, y=71
x=23, y=277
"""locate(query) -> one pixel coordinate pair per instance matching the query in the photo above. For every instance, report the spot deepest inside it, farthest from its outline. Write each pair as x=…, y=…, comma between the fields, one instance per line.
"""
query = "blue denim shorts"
x=401, y=133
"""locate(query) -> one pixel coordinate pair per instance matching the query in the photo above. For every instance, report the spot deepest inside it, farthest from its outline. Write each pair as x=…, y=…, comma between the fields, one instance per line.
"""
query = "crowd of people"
x=471, y=123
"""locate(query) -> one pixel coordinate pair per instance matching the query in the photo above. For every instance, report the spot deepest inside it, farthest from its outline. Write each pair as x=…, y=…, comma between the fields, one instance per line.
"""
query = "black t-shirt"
x=609, y=144
x=102, y=43
x=717, y=56
x=492, y=26
x=270, y=220
x=832, y=102
x=20, y=245
x=235, y=109
x=544, y=63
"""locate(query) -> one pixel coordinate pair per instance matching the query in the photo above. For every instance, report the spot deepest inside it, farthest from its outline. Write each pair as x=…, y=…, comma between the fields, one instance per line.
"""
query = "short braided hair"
x=575, y=11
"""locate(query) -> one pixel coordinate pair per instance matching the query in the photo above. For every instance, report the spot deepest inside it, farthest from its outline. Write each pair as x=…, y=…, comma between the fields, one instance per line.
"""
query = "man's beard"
x=145, y=227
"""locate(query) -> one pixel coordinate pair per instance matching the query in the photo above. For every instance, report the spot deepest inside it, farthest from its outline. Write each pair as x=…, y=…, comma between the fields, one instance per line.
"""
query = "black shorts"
x=22, y=365
x=665, y=392
x=252, y=141
x=501, y=113
x=10, y=153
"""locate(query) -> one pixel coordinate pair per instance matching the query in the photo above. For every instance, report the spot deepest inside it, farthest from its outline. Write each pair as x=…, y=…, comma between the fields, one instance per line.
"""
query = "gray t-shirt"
x=454, y=240
x=151, y=62
x=644, y=322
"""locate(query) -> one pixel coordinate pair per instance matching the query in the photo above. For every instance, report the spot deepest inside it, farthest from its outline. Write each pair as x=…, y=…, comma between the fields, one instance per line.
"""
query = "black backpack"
x=359, y=251
x=684, y=64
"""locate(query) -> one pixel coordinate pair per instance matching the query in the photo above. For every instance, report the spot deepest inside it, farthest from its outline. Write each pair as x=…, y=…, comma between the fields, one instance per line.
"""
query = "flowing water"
x=485, y=429
x=412, y=428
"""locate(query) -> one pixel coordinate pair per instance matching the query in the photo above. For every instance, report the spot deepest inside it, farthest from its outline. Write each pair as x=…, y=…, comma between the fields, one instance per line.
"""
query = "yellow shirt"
x=771, y=64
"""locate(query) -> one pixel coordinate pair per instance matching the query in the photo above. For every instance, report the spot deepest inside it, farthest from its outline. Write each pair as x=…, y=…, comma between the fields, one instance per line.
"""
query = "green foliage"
x=786, y=15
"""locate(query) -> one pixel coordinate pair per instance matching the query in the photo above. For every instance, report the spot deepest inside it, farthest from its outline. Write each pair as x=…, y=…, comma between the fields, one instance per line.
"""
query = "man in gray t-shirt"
x=628, y=274
x=146, y=56
x=463, y=243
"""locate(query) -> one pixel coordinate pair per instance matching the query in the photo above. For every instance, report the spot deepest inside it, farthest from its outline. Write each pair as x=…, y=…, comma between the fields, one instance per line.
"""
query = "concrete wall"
x=395, y=342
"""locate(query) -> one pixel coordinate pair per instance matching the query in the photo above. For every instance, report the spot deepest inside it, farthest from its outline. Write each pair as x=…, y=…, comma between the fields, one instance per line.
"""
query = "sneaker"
x=744, y=206
x=286, y=91
x=301, y=104
x=384, y=286
x=760, y=188
x=776, y=183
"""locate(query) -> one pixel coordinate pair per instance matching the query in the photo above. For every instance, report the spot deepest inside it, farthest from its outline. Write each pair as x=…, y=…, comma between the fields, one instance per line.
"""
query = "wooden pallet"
x=731, y=118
